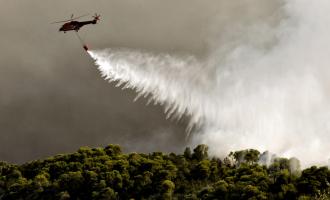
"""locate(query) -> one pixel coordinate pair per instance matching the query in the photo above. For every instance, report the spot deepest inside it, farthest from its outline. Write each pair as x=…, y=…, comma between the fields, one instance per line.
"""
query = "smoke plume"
x=264, y=83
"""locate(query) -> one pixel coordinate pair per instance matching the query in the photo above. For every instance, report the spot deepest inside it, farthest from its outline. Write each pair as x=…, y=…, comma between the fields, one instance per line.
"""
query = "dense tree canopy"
x=107, y=173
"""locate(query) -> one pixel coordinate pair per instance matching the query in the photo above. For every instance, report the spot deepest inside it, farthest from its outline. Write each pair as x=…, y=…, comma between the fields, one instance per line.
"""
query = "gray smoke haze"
x=53, y=101
x=264, y=83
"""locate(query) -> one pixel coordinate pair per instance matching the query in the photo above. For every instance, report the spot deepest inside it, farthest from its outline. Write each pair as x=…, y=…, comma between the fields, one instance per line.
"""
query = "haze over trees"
x=107, y=173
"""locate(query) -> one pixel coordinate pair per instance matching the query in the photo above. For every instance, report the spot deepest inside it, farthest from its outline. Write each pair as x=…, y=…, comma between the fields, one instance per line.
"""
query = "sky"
x=266, y=89
x=53, y=99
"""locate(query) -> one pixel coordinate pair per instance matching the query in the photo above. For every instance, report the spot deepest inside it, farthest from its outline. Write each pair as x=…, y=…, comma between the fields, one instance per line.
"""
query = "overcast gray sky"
x=52, y=98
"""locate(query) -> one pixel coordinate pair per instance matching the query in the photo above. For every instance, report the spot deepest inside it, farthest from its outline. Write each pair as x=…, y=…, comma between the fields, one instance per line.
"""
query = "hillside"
x=107, y=173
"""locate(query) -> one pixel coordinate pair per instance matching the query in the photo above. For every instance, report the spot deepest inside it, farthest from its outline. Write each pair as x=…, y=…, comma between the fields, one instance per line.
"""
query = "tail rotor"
x=97, y=17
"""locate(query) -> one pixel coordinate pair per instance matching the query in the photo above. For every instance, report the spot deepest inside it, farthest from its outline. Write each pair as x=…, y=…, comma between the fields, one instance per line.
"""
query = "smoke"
x=264, y=83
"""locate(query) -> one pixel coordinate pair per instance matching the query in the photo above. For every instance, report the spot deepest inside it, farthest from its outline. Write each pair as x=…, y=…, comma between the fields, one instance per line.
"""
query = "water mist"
x=263, y=85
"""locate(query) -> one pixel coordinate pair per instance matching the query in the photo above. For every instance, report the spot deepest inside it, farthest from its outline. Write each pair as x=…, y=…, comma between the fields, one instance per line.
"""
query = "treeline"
x=107, y=173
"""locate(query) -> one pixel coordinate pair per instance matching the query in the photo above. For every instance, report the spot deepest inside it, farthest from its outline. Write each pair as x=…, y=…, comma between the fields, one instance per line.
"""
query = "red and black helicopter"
x=72, y=25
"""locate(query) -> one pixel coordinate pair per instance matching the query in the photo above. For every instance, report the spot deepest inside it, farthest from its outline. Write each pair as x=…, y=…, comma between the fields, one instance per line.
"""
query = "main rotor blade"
x=61, y=21
x=79, y=16
x=68, y=20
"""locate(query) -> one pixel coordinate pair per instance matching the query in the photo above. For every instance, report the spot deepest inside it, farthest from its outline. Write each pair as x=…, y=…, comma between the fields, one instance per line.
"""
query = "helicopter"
x=72, y=25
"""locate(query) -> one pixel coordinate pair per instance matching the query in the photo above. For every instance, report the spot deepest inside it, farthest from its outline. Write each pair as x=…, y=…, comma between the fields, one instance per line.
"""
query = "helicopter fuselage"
x=75, y=25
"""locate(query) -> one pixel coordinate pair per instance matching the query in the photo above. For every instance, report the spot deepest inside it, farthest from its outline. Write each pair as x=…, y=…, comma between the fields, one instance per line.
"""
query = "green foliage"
x=200, y=152
x=314, y=180
x=107, y=173
x=250, y=156
x=187, y=153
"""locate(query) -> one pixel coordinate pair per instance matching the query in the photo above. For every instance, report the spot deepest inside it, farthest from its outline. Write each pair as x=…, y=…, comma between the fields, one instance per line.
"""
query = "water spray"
x=269, y=95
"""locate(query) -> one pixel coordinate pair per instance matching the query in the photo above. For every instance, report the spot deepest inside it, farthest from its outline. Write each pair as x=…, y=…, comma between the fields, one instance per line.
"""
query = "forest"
x=108, y=173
